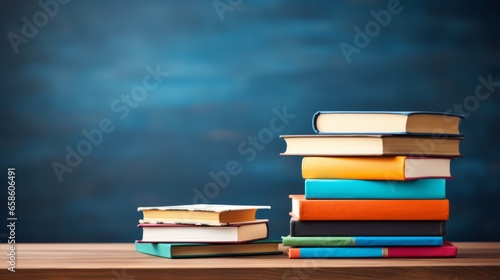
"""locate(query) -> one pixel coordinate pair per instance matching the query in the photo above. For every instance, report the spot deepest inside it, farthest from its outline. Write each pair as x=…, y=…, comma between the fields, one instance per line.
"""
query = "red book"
x=369, y=210
x=447, y=250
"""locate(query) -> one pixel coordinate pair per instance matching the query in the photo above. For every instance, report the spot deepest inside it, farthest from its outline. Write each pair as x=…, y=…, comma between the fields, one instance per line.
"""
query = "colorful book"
x=367, y=228
x=386, y=122
x=448, y=250
x=367, y=189
x=361, y=241
x=234, y=233
x=203, y=214
x=370, y=145
x=203, y=250
x=383, y=209
x=375, y=168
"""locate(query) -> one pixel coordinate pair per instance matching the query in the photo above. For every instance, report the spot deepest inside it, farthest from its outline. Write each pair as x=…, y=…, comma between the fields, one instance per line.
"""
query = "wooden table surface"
x=120, y=261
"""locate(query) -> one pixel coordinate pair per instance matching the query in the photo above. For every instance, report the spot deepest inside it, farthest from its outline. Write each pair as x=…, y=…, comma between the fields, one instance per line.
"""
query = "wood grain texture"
x=121, y=262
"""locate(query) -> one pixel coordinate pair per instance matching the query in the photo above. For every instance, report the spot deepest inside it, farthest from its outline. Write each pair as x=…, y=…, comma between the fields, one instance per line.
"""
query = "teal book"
x=205, y=250
x=448, y=250
x=369, y=189
x=361, y=241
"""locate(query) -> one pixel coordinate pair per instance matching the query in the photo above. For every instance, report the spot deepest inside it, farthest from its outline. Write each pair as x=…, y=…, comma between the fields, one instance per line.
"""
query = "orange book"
x=375, y=168
x=383, y=210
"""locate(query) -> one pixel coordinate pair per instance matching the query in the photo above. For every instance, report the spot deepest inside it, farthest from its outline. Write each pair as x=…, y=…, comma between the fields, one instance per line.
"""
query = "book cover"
x=446, y=251
x=369, y=189
x=375, y=168
x=201, y=214
x=361, y=241
x=395, y=122
x=204, y=250
x=383, y=209
x=370, y=145
x=367, y=228
x=234, y=233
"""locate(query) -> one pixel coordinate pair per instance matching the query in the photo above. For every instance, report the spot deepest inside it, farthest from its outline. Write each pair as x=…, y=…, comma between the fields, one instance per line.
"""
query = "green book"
x=204, y=250
x=363, y=241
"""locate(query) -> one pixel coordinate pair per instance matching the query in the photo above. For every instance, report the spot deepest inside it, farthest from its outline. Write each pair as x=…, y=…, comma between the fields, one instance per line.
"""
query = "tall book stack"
x=374, y=185
x=204, y=230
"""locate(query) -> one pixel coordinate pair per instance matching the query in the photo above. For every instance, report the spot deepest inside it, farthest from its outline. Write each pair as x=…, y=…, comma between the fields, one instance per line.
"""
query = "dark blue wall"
x=228, y=70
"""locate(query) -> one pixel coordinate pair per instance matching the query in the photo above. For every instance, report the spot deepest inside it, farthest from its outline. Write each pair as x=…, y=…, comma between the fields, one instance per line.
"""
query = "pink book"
x=447, y=250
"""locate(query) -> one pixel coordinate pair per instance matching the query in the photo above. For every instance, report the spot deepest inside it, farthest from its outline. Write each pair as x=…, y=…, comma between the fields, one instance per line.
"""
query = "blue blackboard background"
x=227, y=73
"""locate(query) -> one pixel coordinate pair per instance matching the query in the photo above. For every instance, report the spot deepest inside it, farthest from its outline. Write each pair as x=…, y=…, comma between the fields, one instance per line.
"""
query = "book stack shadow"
x=375, y=185
x=204, y=230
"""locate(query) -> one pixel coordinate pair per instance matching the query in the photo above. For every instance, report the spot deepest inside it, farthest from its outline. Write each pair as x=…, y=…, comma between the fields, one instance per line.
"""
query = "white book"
x=235, y=233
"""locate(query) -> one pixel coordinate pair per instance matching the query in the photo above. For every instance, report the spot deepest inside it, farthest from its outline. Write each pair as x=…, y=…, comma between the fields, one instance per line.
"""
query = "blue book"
x=361, y=241
x=368, y=189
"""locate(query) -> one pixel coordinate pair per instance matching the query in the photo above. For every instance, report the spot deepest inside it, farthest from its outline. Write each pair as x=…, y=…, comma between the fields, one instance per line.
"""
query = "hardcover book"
x=203, y=214
x=361, y=241
x=199, y=250
x=382, y=210
x=448, y=250
x=368, y=189
x=375, y=168
x=370, y=145
x=235, y=233
x=367, y=228
x=386, y=122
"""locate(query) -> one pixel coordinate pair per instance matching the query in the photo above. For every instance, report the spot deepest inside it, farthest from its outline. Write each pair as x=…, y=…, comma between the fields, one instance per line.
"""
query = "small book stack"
x=204, y=230
x=374, y=185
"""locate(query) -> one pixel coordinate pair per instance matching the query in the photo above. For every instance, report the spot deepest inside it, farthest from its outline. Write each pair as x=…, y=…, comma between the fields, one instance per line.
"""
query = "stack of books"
x=374, y=185
x=204, y=230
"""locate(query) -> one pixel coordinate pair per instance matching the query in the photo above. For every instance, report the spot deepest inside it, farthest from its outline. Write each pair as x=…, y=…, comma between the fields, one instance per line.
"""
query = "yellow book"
x=203, y=214
x=375, y=168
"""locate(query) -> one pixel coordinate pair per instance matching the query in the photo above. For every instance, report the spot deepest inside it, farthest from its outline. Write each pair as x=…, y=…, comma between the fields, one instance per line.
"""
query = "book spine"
x=361, y=168
x=334, y=252
x=314, y=118
x=309, y=241
x=364, y=189
x=425, y=252
x=367, y=228
x=407, y=210
x=368, y=241
x=362, y=241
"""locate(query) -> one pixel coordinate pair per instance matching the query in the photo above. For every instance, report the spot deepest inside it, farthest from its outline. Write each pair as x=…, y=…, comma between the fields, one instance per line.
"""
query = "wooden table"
x=121, y=262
